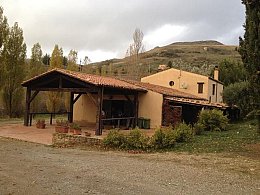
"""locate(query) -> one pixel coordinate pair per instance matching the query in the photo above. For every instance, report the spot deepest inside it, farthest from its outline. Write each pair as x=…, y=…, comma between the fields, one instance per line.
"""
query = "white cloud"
x=165, y=34
x=96, y=55
x=105, y=27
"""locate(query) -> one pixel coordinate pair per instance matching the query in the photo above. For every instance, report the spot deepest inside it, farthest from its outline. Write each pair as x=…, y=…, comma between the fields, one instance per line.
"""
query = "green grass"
x=10, y=121
x=234, y=139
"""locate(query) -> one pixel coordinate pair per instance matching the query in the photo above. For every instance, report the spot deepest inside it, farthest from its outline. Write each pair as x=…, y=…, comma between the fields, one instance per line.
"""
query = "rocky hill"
x=198, y=56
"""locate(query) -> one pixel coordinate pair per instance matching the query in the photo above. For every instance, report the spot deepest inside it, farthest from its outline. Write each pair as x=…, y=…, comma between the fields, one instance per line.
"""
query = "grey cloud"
x=108, y=25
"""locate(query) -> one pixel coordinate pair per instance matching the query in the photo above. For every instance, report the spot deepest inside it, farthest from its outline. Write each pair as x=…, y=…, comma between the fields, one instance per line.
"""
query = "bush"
x=163, y=138
x=213, y=120
x=183, y=132
x=115, y=139
x=75, y=126
x=198, y=128
x=137, y=140
x=62, y=122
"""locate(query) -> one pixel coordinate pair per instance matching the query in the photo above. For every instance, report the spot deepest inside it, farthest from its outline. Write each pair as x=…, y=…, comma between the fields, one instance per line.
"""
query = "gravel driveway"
x=27, y=168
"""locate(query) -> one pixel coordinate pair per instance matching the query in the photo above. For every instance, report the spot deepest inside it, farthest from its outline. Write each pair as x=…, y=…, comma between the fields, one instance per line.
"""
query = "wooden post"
x=71, y=107
x=51, y=119
x=136, y=103
x=27, y=107
x=99, y=111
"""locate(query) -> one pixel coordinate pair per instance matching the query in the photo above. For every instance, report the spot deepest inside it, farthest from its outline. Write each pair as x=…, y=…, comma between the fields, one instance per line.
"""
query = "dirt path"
x=27, y=168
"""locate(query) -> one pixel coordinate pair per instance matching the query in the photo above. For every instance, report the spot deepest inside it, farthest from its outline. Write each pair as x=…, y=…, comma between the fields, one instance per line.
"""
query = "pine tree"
x=13, y=56
x=250, y=48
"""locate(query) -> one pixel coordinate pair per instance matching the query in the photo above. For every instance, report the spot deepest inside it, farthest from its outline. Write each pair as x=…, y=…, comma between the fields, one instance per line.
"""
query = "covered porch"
x=93, y=86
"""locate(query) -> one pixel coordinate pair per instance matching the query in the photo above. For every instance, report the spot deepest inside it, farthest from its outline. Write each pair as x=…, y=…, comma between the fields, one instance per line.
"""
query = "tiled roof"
x=164, y=90
x=178, y=96
x=197, y=102
x=91, y=79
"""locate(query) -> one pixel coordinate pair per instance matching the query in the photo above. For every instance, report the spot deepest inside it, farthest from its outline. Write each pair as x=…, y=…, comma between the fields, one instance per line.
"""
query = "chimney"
x=216, y=73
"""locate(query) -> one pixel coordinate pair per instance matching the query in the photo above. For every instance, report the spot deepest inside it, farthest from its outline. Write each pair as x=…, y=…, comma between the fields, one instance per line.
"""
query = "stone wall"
x=67, y=140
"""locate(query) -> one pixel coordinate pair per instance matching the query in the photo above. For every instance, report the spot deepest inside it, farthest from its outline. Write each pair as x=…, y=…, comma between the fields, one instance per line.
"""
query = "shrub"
x=62, y=122
x=163, y=138
x=75, y=126
x=183, y=132
x=198, y=128
x=115, y=139
x=213, y=120
x=137, y=140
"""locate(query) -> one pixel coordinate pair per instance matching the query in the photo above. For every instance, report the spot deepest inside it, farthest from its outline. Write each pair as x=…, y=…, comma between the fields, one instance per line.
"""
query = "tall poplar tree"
x=56, y=58
x=72, y=65
x=36, y=64
x=72, y=60
x=250, y=48
x=54, y=99
x=36, y=67
x=13, y=56
x=4, y=30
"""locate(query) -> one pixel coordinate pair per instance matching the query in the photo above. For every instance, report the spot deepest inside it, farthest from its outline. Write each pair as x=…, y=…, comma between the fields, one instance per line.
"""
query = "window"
x=213, y=89
x=171, y=83
x=200, y=87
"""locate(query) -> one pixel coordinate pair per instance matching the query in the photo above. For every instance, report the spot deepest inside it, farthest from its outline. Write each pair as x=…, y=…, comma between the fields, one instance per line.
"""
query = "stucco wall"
x=187, y=82
x=85, y=109
x=183, y=81
x=218, y=91
x=150, y=106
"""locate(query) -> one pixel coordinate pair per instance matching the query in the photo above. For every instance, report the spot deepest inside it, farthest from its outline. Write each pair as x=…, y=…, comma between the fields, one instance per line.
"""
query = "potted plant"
x=40, y=123
x=75, y=128
x=62, y=126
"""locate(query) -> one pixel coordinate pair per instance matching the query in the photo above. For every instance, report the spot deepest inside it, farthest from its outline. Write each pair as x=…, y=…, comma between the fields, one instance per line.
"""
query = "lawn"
x=238, y=138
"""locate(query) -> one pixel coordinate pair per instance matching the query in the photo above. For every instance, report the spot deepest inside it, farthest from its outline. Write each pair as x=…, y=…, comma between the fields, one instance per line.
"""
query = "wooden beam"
x=99, y=111
x=92, y=98
x=77, y=81
x=75, y=90
x=136, y=103
x=128, y=98
x=47, y=81
x=71, y=107
x=27, y=107
x=76, y=99
x=33, y=96
x=60, y=82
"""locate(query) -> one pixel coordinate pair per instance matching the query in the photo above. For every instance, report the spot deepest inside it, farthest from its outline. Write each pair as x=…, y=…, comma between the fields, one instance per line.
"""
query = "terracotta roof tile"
x=164, y=90
x=92, y=79
x=198, y=102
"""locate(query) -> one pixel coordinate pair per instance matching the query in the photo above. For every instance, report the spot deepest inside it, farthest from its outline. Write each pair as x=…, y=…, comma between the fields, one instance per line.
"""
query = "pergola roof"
x=85, y=78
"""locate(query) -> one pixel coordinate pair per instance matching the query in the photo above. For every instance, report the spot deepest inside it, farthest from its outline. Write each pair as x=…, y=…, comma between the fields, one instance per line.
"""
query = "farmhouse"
x=196, y=84
x=103, y=100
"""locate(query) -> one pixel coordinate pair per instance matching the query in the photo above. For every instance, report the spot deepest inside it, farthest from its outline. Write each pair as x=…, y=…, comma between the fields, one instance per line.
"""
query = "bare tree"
x=133, y=52
x=138, y=46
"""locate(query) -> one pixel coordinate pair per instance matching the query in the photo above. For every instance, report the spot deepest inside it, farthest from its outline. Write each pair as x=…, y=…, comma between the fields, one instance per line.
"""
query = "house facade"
x=199, y=85
x=100, y=100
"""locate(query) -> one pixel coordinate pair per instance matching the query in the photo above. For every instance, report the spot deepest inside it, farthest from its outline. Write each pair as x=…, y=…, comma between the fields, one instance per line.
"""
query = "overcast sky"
x=102, y=29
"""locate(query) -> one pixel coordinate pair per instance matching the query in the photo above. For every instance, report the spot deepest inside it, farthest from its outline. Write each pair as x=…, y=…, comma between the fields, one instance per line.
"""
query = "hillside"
x=198, y=56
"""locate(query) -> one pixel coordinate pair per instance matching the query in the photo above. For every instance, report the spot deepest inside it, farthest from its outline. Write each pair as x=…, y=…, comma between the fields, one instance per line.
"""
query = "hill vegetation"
x=199, y=57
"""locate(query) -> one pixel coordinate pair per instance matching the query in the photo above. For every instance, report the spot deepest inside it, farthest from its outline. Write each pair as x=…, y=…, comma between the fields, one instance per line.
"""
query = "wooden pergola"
x=59, y=80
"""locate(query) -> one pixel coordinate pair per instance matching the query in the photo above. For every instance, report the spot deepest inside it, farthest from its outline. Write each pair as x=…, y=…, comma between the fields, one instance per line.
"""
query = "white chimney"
x=216, y=73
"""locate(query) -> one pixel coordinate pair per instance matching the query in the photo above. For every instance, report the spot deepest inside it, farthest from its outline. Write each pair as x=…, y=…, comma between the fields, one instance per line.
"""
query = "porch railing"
x=52, y=115
x=129, y=120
